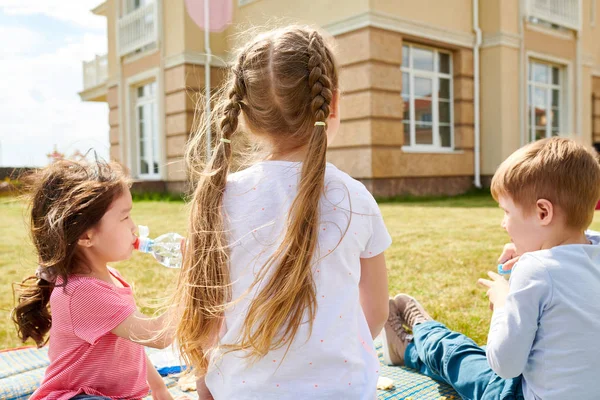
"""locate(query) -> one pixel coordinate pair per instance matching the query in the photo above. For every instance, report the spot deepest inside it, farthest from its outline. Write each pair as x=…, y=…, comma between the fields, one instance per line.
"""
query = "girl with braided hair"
x=284, y=283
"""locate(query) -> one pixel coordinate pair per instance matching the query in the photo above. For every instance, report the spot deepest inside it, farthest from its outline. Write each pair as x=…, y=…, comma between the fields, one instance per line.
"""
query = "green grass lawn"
x=441, y=247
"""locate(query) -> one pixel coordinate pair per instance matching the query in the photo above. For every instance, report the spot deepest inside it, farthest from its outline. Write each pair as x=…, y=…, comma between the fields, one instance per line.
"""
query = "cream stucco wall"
x=447, y=14
x=500, y=129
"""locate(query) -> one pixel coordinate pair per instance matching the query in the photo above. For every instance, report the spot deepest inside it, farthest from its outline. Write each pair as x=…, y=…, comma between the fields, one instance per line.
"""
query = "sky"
x=42, y=46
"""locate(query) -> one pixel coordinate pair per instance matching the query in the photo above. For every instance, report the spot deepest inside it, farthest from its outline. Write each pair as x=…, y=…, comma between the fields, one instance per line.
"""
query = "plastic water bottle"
x=165, y=248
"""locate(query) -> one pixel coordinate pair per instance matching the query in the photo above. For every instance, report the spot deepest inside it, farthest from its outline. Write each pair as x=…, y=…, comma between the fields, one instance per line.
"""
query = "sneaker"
x=394, y=337
x=410, y=310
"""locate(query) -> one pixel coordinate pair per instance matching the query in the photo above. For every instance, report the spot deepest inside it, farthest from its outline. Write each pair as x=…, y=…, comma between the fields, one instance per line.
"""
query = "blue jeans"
x=89, y=397
x=455, y=359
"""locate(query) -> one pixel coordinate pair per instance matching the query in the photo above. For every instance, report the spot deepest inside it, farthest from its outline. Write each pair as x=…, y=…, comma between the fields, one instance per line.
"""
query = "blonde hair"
x=281, y=84
x=556, y=169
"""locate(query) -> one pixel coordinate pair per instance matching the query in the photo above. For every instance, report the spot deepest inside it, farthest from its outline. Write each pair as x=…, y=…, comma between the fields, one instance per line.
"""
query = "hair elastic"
x=225, y=140
x=320, y=123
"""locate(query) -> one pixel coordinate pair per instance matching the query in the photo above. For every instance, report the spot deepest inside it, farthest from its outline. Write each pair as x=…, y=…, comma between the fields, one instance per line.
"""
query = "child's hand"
x=497, y=289
x=509, y=257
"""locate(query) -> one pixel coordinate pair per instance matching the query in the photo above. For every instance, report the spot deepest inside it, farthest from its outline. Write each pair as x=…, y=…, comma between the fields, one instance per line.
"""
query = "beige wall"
x=447, y=14
x=111, y=30
x=149, y=61
x=173, y=26
x=499, y=16
x=555, y=46
x=500, y=128
x=590, y=34
x=114, y=122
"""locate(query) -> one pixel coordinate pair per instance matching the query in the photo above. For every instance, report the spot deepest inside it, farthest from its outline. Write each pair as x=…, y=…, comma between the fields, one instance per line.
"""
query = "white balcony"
x=565, y=13
x=95, y=72
x=138, y=28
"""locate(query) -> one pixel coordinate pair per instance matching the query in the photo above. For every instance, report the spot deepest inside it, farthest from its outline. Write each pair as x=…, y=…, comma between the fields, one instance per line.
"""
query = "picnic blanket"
x=21, y=371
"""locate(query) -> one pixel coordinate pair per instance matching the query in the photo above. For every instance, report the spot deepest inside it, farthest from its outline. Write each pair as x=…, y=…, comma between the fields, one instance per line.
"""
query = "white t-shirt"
x=338, y=361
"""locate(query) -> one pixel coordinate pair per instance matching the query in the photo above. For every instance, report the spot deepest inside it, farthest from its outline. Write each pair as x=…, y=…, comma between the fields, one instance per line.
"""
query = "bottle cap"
x=143, y=231
x=501, y=270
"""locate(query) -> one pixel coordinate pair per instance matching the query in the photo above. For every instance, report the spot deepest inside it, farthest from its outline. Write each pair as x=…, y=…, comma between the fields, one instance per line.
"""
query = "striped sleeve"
x=96, y=309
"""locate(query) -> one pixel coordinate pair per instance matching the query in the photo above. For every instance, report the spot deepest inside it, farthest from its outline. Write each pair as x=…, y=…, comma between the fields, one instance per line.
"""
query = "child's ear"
x=544, y=211
x=85, y=240
x=335, y=104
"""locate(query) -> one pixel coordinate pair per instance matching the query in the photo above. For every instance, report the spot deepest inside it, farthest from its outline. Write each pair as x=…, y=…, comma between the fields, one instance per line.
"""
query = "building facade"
x=435, y=93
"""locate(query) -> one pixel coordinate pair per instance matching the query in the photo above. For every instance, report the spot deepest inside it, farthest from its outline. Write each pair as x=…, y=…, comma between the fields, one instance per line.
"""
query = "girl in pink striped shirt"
x=80, y=220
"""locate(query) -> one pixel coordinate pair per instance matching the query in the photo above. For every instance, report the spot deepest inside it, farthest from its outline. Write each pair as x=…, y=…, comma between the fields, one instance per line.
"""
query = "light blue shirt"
x=549, y=329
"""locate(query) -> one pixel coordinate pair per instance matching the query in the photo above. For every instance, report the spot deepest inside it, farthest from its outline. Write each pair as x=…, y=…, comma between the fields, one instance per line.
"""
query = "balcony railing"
x=565, y=13
x=138, y=29
x=95, y=72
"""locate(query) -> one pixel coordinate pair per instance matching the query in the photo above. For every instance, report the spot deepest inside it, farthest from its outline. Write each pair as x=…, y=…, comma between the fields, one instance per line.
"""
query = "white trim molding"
x=568, y=87
x=95, y=92
x=128, y=124
x=196, y=59
x=501, y=39
x=377, y=19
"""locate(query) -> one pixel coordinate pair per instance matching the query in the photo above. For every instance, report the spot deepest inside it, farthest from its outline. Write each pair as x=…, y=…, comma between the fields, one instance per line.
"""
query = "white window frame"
x=132, y=133
x=565, y=93
x=152, y=138
x=434, y=76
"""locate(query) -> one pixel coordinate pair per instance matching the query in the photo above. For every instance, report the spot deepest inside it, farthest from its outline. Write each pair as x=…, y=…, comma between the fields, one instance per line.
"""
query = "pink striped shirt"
x=85, y=357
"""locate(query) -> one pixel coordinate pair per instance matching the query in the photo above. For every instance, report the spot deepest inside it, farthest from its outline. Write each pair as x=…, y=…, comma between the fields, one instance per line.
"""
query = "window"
x=147, y=131
x=132, y=5
x=544, y=99
x=427, y=96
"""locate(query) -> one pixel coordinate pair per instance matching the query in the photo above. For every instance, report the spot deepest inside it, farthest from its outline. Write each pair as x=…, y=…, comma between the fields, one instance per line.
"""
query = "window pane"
x=423, y=134
x=423, y=87
x=422, y=59
x=405, y=56
x=555, y=132
x=140, y=91
x=423, y=111
x=445, y=139
x=444, y=112
x=539, y=72
x=406, y=127
x=144, y=167
x=540, y=134
x=555, y=98
x=555, y=76
x=406, y=108
x=405, y=83
x=555, y=119
x=444, y=63
x=444, y=90
x=539, y=98
x=541, y=119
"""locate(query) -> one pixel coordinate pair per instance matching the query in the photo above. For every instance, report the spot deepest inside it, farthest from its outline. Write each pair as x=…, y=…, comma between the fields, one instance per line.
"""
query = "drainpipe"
x=477, y=172
x=207, y=76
